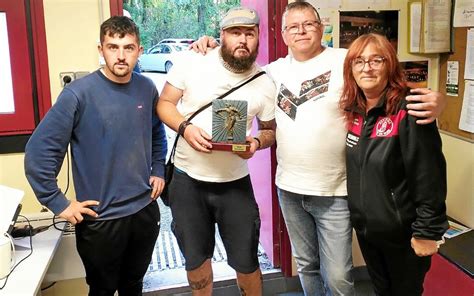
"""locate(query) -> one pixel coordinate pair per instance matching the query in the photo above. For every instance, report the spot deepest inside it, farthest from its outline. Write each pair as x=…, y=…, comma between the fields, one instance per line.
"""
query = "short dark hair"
x=298, y=5
x=120, y=25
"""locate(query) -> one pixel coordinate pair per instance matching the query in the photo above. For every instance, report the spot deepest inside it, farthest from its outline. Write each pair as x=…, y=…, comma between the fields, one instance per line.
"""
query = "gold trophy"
x=229, y=125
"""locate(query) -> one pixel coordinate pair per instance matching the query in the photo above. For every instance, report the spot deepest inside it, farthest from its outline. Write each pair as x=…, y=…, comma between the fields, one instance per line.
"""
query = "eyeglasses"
x=375, y=63
x=308, y=26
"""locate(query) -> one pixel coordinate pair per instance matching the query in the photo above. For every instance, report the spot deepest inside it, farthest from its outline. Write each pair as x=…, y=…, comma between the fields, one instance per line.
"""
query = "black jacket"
x=396, y=177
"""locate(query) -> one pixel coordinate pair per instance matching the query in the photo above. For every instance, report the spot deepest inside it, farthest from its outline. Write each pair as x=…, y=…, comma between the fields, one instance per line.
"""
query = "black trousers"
x=116, y=253
x=394, y=271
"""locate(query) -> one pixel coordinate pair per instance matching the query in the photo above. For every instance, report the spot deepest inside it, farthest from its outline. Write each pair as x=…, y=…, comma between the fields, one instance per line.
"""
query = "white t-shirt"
x=310, y=127
x=202, y=79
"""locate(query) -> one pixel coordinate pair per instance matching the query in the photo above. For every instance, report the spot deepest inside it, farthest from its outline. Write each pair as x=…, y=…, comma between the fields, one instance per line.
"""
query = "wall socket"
x=66, y=77
x=80, y=74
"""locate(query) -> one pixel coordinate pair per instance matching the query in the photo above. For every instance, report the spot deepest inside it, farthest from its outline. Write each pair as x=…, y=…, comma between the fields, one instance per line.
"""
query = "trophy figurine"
x=229, y=125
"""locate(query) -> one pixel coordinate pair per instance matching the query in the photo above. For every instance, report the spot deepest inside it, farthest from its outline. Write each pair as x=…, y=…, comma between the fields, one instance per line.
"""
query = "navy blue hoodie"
x=117, y=143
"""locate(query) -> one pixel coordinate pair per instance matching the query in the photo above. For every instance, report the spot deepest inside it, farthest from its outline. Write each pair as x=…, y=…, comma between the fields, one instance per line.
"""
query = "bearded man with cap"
x=212, y=187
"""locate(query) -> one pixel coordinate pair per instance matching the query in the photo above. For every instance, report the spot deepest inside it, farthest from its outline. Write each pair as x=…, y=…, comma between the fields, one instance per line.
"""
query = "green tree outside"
x=160, y=19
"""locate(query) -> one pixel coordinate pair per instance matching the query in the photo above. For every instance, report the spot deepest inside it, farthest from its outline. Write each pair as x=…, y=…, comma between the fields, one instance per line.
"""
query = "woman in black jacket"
x=396, y=171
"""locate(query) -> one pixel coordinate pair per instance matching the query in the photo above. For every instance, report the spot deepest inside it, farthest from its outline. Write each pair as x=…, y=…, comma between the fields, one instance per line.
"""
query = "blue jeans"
x=321, y=238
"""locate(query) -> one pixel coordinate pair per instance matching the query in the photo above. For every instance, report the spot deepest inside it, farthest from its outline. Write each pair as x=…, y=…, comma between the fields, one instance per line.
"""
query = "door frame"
x=271, y=48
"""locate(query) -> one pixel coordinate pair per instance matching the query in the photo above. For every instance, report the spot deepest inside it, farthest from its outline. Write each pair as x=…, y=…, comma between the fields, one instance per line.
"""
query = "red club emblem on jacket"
x=384, y=127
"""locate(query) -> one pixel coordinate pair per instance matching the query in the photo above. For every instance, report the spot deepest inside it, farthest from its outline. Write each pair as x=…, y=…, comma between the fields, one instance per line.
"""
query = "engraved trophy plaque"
x=229, y=125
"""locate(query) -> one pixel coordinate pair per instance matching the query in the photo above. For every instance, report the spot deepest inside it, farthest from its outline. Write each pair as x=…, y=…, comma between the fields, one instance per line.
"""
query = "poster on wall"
x=429, y=26
x=327, y=39
x=416, y=73
x=355, y=23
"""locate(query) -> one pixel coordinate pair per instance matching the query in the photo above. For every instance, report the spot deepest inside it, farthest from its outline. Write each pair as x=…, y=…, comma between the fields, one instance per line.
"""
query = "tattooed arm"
x=266, y=134
x=264, y=139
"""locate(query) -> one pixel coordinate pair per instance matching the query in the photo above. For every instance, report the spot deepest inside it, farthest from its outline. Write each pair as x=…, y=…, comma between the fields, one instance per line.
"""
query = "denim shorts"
x=197, y=206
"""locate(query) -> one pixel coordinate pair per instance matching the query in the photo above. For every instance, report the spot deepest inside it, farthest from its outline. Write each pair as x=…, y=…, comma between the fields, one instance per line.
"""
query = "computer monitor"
x=10, y=207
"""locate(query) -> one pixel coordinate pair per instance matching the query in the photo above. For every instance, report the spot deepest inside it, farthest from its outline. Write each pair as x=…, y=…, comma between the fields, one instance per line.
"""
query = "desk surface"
x=27, y=277
x=460, y=251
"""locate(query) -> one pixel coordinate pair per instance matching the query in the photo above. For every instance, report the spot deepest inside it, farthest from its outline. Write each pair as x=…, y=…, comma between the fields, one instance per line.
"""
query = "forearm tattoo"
x=266, y=133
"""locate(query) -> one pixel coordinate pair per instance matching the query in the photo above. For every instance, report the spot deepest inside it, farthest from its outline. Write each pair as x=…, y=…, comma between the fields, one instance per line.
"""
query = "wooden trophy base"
x=233, y=147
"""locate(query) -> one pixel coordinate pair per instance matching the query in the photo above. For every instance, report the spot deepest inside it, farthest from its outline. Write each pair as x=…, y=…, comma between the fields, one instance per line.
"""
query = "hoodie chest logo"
x=384, y=127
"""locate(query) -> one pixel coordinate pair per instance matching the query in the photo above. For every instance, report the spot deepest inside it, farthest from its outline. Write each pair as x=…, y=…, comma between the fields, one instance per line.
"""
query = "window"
x=166, y=49
x=24, y=80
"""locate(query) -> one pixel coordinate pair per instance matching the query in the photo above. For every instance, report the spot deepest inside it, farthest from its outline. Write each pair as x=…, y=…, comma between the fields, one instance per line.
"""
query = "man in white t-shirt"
x=311, y=172
x=310, y=136
x=211, y=186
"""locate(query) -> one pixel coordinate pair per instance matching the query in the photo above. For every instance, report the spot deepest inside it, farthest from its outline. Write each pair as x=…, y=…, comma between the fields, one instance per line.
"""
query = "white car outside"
x=177, y=40
x=160, y=57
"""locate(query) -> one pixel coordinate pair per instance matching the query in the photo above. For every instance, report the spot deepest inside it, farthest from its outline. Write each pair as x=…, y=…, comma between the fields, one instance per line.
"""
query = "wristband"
x=182, y=127
x=258, y=141
x=440, y=242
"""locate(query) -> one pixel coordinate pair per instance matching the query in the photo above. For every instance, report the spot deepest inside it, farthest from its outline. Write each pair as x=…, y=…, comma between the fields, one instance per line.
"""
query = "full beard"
x=239, y=64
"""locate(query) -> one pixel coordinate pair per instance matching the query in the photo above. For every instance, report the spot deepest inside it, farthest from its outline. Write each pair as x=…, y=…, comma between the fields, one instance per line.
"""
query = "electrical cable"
x=31, y=252
x=65, y=192
x=31, y=230
x=67, y=170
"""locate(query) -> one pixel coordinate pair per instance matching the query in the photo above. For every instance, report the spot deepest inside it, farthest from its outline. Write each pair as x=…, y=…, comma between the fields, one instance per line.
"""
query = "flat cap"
x=239, y=17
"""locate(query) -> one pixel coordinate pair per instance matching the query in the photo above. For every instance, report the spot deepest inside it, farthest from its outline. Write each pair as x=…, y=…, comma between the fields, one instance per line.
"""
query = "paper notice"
x=466, y=122
x=452, y=79
x=469, y=63
x=437, y=26
x=415, y=26
x=463, y=13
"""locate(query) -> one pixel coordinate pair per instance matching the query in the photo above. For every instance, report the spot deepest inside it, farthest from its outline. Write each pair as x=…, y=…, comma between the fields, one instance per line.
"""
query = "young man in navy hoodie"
x=118, y=148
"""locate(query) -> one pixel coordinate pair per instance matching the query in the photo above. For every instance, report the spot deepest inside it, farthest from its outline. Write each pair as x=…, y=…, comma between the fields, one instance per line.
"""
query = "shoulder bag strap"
x=210, y=103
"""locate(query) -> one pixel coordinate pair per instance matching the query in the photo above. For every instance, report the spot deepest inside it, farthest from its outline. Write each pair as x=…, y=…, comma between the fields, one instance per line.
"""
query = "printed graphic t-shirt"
x=310, y=128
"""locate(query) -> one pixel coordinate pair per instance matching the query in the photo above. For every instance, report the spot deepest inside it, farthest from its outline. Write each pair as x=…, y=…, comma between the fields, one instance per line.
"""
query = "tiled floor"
x=166, y=269
x=167, y=255
x=167, y=266
x=166, y=274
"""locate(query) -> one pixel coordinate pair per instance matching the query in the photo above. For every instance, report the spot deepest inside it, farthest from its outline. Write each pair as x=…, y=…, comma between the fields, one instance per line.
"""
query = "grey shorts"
x=197, y=206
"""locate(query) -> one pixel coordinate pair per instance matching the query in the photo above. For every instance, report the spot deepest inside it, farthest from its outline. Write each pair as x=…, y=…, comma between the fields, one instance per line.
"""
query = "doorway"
x=274, y=251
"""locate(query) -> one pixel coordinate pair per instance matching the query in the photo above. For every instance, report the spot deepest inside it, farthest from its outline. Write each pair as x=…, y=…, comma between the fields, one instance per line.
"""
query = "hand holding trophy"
x=229, y=125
